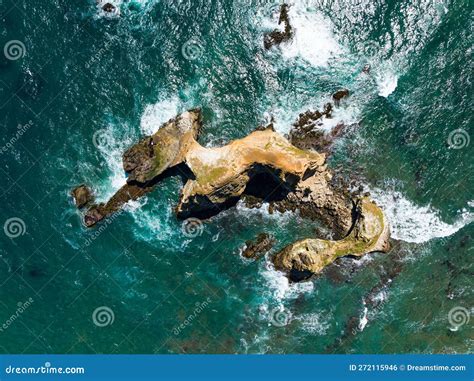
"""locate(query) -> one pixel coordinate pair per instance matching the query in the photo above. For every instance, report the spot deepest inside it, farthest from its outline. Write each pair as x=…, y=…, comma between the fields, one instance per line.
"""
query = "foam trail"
x=315, y=323
x=363, y=320
x=111, y=144
x=313, y=39
x=387, y=83
x=284, y=118
x=279, y=285
x=412, y=223
x=151, y=224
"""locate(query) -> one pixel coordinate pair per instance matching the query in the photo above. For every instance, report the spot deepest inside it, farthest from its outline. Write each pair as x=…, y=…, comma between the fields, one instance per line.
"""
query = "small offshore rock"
x=93, y=216
x=339, y=95
x=109, y=8
x=256, y=248
x=82, y=196
x=277, y=36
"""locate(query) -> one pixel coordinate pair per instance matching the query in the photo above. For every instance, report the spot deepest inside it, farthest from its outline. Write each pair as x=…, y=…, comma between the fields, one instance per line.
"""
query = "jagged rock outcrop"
x=308, y=132
x=82, y=196
x=149, y=161
x=168, y=147
x=277, y=36
x=339, y=95
x=256, y=248
x=263, y=165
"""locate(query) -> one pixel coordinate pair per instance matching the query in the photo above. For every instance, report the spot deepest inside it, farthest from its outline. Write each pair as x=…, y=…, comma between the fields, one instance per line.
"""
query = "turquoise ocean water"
x=77, y=87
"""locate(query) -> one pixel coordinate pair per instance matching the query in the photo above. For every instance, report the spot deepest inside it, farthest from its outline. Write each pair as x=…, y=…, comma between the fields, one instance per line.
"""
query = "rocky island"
x=263, y=165
x=290, y=174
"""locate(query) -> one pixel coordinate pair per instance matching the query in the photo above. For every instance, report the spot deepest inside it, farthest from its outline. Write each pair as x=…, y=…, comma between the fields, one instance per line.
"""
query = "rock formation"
x=339, y=95
x=307, y=132
x=82, y=196
x=254, y=249
x=263, y=165
x=310, y=256
x=277, y=36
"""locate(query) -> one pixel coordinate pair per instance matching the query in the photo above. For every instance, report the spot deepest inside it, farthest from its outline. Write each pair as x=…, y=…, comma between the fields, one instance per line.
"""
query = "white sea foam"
x=111, y=146
x=314, y=40
x=412, y=223
x=153, y=224
x=279, y=286
x=363, y=320
x=387, y=83
x=264, y=212
x=314, y=323
x=156, y=114
x=116, y=3
x=285, y=117
x=381, y=296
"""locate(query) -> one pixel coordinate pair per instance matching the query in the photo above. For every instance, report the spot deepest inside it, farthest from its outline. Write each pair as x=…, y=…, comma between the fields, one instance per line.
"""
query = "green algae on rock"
x=369, y=233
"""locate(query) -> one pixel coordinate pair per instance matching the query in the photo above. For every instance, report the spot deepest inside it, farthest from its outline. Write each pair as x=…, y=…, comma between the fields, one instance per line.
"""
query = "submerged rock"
x=261, y=166
x=278, y=36
x=108, y=8
x=254, y=249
